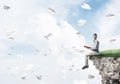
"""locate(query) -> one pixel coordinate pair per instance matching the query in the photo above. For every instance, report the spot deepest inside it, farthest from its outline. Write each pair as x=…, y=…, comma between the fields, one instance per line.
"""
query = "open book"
x=87, y=46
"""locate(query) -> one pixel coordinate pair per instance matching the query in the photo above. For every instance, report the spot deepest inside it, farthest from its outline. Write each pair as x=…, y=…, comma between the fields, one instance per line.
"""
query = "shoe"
x=84, y=67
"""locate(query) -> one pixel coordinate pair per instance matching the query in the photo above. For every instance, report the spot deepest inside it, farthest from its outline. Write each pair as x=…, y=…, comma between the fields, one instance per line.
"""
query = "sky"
x=46, y=38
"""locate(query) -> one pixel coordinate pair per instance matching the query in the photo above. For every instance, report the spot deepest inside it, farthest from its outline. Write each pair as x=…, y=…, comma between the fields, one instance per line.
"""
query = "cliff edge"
x=108, y=66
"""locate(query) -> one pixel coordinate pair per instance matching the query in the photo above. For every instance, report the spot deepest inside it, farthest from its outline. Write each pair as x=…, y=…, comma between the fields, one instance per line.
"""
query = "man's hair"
x=95, y=34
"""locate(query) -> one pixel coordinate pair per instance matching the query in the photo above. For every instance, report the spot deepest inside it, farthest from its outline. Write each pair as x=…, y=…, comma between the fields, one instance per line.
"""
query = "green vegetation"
x=110, y=53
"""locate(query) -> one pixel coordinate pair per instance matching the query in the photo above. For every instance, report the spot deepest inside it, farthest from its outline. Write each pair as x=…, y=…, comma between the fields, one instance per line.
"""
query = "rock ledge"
x=109, y=69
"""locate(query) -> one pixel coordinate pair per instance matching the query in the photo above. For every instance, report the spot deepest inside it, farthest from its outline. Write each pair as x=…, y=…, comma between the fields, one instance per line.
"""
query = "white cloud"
x=21, y=11
x=63, y=37
x=30, y=23
x=62, y=7
x=63, y=33
x=108, y=28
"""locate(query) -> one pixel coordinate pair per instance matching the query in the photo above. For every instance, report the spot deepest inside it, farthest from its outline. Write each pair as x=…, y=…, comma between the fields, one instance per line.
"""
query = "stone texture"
x=109, y=69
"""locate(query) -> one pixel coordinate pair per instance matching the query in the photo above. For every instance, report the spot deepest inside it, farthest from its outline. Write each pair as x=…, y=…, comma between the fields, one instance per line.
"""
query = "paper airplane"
x=5, y=7
x=51, y=10
x=45, y=54
x=70, y=69
x=78, y=33
x=111, y=40
x=47, y=37
x=86, y=6
x=9, y=54
x=72, y=65
x=39, y=77
x=12, y=38
x=110, y=15
x=23, y=78
x=91, y=76
x=81, y=22
x=37, y=51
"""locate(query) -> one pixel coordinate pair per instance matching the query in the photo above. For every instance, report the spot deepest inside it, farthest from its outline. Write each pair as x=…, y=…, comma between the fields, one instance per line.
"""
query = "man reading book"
x=92, y=50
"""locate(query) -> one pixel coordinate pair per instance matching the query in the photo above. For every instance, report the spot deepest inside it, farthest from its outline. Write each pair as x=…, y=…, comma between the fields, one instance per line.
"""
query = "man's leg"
x=88, y=54
x=86, y=62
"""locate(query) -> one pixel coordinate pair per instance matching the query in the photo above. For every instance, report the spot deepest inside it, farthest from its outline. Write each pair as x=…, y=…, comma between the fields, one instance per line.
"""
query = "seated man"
x=92, y=50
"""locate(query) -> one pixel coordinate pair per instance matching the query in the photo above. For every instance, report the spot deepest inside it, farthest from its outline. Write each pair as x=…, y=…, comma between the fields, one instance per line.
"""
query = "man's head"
x=95, y=36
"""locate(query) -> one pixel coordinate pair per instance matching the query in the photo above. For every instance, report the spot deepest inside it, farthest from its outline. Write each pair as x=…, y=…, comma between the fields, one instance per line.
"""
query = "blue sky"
x=28, y=22
x=25, y=20
x=88, y=29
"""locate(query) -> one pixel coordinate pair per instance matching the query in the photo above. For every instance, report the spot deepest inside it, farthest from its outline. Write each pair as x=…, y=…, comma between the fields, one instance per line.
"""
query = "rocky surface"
x=109, y=69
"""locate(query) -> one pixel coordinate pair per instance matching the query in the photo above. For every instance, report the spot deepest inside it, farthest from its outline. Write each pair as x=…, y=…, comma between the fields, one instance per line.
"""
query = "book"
x=87, y=46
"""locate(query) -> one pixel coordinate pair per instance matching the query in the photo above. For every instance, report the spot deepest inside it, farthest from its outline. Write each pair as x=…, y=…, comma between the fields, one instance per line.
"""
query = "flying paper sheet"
x=86, y=6
x=81, y=22
x=110, y=15
x=5, y=7
x=51, y=10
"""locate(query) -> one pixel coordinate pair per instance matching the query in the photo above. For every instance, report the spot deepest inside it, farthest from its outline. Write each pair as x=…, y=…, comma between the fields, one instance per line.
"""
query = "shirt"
x=95, y=46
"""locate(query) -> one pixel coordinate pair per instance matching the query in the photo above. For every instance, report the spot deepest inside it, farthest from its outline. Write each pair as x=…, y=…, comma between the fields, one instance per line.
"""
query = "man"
x=92, y=50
